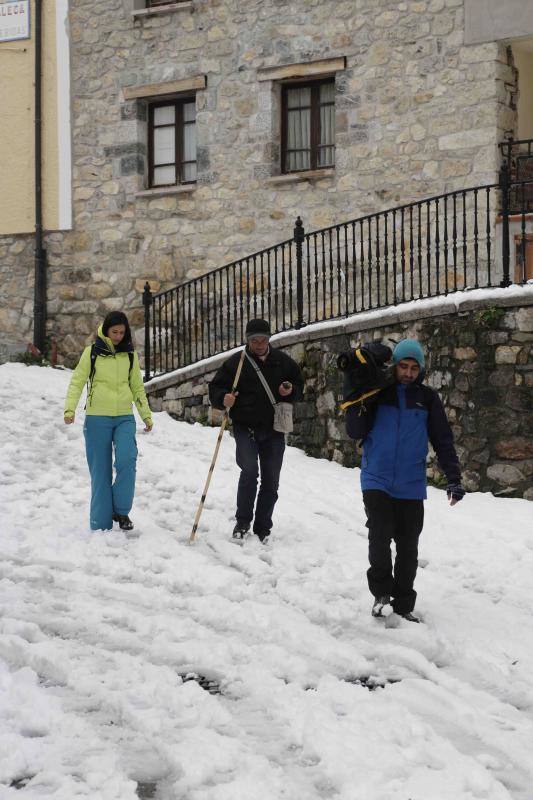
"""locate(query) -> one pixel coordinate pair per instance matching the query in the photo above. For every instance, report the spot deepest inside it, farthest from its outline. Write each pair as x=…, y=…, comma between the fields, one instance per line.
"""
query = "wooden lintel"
x=311, y=69
x=165, y=88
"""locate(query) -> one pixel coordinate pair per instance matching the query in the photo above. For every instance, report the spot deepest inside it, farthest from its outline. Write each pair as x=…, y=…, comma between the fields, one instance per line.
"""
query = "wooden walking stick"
x=211, y=468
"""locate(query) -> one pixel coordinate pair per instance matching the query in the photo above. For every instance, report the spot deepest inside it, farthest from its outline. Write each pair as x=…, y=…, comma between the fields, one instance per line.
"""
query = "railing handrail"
x=510, y=142
x=402, y=207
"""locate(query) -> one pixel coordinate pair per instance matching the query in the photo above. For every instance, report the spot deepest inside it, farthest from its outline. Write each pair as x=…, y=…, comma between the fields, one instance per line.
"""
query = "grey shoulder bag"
x=282, y=411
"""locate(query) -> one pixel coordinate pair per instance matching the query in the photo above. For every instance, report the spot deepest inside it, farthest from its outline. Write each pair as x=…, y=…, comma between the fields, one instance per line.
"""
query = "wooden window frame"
x=179, y=126
x=523, y=272
x=314, y=85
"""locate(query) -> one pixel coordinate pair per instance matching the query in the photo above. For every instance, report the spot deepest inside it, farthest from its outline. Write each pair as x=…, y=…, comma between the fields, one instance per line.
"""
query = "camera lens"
x=343, y=361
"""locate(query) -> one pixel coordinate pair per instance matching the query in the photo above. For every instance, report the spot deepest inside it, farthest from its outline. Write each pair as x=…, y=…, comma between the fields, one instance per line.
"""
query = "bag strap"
x=263, y=380
x=94, y=356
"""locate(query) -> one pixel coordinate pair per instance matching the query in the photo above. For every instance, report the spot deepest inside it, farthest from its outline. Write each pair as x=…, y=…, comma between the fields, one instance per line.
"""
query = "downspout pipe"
x=39, y=302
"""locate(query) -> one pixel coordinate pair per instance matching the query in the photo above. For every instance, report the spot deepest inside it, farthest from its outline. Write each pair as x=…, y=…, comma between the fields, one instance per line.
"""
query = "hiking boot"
x=124, y=522
x=379, y=603
x=410, y=617
x=240, y=531
x=263, y=536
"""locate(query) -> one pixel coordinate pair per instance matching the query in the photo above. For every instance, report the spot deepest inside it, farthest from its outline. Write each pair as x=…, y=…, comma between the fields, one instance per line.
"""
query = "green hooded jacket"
x=113, y=388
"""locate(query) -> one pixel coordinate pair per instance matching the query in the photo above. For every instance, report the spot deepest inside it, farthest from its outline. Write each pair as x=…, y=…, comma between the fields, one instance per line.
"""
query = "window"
x=308, y=126
x=172, y=142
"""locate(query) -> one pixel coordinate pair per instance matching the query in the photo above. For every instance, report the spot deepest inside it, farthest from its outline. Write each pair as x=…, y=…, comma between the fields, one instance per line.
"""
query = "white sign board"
x=14, y=20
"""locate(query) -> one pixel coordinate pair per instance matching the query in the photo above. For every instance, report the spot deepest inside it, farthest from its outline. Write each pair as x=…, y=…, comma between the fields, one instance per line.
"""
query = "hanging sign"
x=14, y=20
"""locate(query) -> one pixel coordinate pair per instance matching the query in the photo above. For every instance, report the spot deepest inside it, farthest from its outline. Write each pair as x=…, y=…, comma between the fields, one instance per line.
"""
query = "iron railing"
x=423, y=249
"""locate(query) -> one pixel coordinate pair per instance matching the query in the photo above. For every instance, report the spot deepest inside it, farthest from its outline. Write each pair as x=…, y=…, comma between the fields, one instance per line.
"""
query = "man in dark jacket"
x=395, y=433
x=252, y=415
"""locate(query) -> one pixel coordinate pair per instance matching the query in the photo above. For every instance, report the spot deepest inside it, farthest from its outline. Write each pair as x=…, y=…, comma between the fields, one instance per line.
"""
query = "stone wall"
x=17, y=266
x=479, y=359
x=417, y=113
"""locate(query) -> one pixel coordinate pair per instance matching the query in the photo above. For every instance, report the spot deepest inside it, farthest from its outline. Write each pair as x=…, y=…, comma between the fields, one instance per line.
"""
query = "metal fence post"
x=505, y=183
x=147, y=302
x=299, y=235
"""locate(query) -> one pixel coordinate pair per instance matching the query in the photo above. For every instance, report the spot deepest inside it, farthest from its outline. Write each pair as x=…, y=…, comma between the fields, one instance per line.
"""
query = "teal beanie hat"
x=408, y=348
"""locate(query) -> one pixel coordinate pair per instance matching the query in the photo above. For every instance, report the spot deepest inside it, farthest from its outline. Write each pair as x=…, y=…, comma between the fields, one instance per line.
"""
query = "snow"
x=317, y=698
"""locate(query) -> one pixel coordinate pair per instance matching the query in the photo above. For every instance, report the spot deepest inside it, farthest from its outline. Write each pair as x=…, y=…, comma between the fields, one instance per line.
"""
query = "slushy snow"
x=297, y=692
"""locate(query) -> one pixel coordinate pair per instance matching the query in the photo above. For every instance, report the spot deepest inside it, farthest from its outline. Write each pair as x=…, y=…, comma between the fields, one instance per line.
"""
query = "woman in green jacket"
x=110, y=368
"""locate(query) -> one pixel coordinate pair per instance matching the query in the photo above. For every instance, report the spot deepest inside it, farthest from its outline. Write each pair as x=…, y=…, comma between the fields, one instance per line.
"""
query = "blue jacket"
x=395, y=433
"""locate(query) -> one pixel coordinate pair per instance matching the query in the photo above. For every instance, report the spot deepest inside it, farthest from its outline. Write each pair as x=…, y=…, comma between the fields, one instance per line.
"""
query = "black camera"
x=365, y=369
x=374, y=353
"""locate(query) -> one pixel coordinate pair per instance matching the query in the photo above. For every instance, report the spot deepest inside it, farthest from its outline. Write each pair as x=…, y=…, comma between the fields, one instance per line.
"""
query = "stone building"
x=19, y=123
x=202, y=128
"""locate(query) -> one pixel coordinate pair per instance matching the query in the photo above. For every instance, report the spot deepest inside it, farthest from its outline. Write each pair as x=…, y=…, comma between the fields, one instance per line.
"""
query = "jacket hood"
x=104, y=345
x=105, y=340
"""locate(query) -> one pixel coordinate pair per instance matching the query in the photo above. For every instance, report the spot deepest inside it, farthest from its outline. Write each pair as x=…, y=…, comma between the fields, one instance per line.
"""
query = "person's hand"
x=285, y=389
x=148, y=425
x=69, y=419
x=455, y=493
x=229, y=399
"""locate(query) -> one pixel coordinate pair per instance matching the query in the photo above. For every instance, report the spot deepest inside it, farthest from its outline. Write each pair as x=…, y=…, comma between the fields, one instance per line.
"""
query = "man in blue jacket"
x=395, y=433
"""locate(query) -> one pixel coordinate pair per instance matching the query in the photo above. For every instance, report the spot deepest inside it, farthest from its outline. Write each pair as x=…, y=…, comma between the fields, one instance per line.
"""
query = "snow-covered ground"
x=317, y=699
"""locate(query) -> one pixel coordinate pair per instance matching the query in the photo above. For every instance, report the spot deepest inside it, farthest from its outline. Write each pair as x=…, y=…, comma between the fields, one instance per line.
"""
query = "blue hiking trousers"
x=108, y=497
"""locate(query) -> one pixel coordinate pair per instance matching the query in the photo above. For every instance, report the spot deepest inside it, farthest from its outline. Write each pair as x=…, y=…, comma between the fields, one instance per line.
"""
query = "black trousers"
x=402, y=520
x=267, y=448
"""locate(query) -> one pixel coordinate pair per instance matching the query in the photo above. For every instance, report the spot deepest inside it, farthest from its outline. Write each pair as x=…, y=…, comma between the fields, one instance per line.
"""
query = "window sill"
x=185, y=188
x=306, y=175
x=171, y=8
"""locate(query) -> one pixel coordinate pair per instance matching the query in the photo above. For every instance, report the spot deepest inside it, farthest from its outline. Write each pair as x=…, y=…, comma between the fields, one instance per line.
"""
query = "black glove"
x=455, y=491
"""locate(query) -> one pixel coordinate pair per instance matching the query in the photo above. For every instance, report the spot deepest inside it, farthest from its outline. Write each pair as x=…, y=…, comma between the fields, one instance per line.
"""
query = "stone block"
x=515, y=449
x=325, y=403
x=465, y=353
x=471, y=480
x=462, y=383
x=173, y=406
x=457, y=399
x=507, y=354
x=99, y=290
x=132, y=165
x=185, y=390
x=505, y=474
x=524, y=319
x=497, y=337
x=501, y=377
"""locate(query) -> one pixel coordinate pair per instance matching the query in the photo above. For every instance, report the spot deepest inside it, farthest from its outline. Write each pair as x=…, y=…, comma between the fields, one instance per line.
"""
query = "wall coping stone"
x=364, y=320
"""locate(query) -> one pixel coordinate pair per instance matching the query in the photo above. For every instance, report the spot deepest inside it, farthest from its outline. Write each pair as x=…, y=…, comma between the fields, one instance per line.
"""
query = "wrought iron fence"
x=423, y=249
